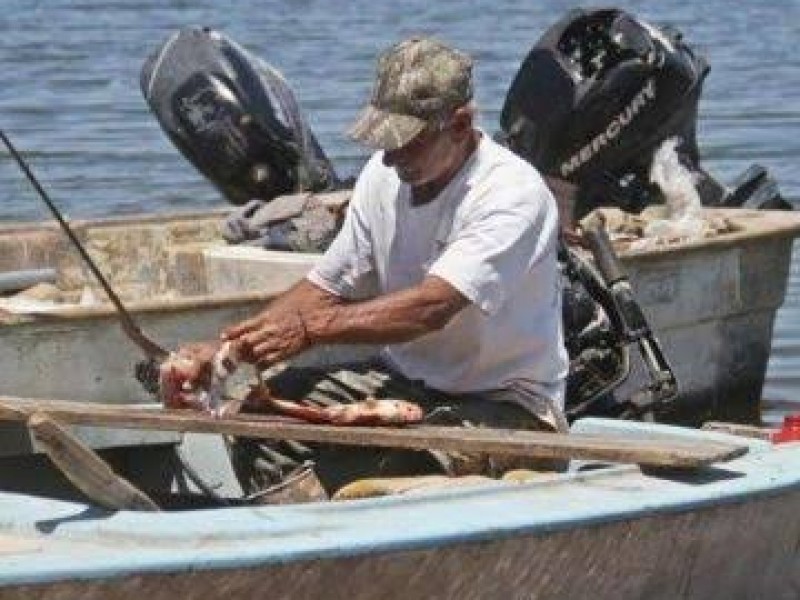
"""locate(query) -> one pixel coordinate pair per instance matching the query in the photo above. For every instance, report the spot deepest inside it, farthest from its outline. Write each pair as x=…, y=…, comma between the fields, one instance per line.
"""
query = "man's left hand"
x=269, y=337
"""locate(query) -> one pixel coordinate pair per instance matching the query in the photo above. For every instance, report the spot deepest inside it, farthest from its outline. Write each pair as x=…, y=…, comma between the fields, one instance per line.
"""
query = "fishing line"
x=129, y=326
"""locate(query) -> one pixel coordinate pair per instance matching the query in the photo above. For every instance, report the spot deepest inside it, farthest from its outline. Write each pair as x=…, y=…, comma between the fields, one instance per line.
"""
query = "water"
x=70, y=94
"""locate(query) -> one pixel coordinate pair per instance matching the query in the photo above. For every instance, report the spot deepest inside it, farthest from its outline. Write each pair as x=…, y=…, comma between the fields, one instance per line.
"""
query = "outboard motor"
x=596, y=97
x=233, y=117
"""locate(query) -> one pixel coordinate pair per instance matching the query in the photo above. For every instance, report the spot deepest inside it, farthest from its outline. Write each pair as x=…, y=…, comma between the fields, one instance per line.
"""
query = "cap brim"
x=383, y=130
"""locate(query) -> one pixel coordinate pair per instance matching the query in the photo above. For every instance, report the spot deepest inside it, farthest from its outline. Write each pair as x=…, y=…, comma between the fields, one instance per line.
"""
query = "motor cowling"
x=597, y=95
x=234, y=117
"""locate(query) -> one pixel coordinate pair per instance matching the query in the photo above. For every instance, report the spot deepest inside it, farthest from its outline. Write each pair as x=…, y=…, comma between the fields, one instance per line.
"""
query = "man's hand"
x=270, y=337
x=186, y=374
x=307, y=315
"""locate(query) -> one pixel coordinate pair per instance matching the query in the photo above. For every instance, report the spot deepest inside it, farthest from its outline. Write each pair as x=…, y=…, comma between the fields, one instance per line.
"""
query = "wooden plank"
x=748, y=431
x=85, y=469
x=671, y=453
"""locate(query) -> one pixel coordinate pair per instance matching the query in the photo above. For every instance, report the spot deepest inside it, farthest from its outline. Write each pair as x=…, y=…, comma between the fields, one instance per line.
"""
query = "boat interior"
x=165, y=258
x=194, y=472
x=148, y=260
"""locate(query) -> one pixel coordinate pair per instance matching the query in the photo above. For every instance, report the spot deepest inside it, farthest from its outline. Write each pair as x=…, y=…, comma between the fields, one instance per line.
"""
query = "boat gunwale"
x=744, y=234
x=788, y=225
x=779, y=227
x=144, y=307
x=14, y=227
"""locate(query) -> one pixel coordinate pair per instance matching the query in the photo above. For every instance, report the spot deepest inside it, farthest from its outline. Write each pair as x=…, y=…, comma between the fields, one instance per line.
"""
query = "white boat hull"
x=711, y=303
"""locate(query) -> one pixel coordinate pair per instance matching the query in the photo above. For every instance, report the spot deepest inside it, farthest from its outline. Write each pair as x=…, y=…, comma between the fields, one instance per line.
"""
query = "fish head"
x=405, y=411
x=186, y=377
x=174, y=387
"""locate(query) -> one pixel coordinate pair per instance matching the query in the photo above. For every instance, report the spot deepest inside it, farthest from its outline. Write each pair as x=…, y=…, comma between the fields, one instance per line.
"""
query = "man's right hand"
x=186, y=374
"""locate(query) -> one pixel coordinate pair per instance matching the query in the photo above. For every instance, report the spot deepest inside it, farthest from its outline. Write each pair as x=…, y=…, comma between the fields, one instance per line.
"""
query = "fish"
x=370, y=411
x=194, y=376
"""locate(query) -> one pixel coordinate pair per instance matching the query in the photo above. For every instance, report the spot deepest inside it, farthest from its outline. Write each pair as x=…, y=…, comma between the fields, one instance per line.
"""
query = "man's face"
x=425, y=158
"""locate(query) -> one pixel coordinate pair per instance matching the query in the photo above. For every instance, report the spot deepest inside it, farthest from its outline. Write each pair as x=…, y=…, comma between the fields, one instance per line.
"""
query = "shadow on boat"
x=705, y=476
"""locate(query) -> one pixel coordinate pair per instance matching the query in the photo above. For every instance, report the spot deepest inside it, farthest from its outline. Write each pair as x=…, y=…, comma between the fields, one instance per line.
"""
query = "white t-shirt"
x=491, y=233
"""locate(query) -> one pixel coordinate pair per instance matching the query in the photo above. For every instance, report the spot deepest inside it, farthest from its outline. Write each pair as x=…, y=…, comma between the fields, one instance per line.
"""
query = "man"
x=447, y=256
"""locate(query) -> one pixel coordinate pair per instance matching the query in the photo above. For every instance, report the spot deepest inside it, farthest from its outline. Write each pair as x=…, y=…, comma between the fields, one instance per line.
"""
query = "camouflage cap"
x=419, y=81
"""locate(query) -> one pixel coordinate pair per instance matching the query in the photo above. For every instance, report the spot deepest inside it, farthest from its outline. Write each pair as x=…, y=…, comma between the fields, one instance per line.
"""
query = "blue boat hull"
x=729, y=531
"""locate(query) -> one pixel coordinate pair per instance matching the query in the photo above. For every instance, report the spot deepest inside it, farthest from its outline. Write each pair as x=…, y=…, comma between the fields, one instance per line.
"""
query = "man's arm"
x=307, y=317
x=303, y=296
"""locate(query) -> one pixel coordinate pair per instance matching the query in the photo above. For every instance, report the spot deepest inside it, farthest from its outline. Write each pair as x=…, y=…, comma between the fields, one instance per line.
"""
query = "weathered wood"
x=85, y=469
x=748, y=431
x=668, y=453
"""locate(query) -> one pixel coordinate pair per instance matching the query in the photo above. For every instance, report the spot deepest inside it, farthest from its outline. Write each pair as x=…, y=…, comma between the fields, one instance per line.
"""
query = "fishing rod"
x=129, y=326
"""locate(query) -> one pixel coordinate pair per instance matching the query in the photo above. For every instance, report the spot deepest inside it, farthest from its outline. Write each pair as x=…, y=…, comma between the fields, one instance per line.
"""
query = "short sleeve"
x=347, y=268
x=500, y=241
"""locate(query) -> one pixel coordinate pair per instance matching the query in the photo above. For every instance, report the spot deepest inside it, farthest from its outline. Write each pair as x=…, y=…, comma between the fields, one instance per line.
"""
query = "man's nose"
x=398, y=156
x=390, y=157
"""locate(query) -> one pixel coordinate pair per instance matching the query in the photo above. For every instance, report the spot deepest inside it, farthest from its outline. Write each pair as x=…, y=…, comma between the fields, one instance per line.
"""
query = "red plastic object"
x=789, y=432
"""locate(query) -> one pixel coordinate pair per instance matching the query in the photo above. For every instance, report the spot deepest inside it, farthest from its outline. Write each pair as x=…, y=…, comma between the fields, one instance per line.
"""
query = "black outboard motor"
x=597, y=96
x=233, y=117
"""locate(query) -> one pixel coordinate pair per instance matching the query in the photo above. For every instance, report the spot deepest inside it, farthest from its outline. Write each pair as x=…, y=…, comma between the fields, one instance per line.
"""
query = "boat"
x=605, y=530
x=711, y=303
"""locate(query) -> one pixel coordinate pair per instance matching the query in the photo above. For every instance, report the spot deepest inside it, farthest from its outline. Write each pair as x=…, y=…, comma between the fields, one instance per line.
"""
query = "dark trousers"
x=263, y=465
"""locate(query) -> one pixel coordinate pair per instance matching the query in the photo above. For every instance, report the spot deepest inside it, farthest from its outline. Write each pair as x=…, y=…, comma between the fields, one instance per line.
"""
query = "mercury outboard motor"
x=596, y=97
x=233, y=117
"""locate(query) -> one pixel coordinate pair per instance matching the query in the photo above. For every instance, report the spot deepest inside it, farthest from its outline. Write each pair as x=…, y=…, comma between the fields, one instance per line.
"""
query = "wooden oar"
x=664, y=453
x=85, y=469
